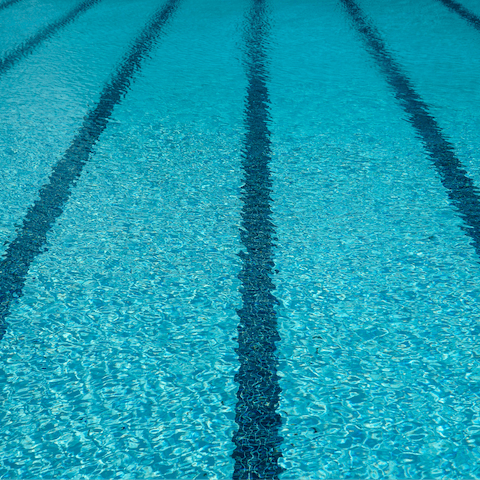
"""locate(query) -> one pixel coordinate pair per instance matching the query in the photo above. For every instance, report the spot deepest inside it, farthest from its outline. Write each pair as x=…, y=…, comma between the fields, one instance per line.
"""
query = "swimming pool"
x=239, y=239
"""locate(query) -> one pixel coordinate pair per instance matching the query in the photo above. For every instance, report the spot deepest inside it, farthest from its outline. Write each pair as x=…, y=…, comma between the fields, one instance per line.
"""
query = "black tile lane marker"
x=460, y=188
x=463, y=12
x=40, y=217
x=257, y=440
x=28, y=46
x=8, y=3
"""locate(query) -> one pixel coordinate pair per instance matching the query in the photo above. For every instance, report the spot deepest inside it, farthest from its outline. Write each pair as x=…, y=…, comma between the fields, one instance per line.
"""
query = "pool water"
x=239, y=239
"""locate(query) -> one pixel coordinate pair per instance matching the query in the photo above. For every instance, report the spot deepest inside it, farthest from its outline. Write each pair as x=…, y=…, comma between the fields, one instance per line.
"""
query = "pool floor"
x=239, y=239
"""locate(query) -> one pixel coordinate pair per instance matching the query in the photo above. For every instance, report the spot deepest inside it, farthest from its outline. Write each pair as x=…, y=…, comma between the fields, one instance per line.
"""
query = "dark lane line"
x=257, y=440
x=32, y=235
x=29, y=45
x=8, y=3
x=460, y=188
x=463, y=12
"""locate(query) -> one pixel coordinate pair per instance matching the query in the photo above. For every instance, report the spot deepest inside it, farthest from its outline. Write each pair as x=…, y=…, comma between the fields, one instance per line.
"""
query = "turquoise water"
x=120, y=357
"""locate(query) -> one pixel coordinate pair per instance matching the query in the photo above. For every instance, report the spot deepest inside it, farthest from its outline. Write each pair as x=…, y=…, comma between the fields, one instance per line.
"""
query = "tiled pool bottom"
x=239, y=239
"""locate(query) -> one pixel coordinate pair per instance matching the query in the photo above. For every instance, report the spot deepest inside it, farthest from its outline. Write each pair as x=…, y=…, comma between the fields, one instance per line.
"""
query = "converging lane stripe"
x=460, y=188
x=41, y=216
x=29, y=46
x=257, y=439
x=463, y=12
x=8, y=3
